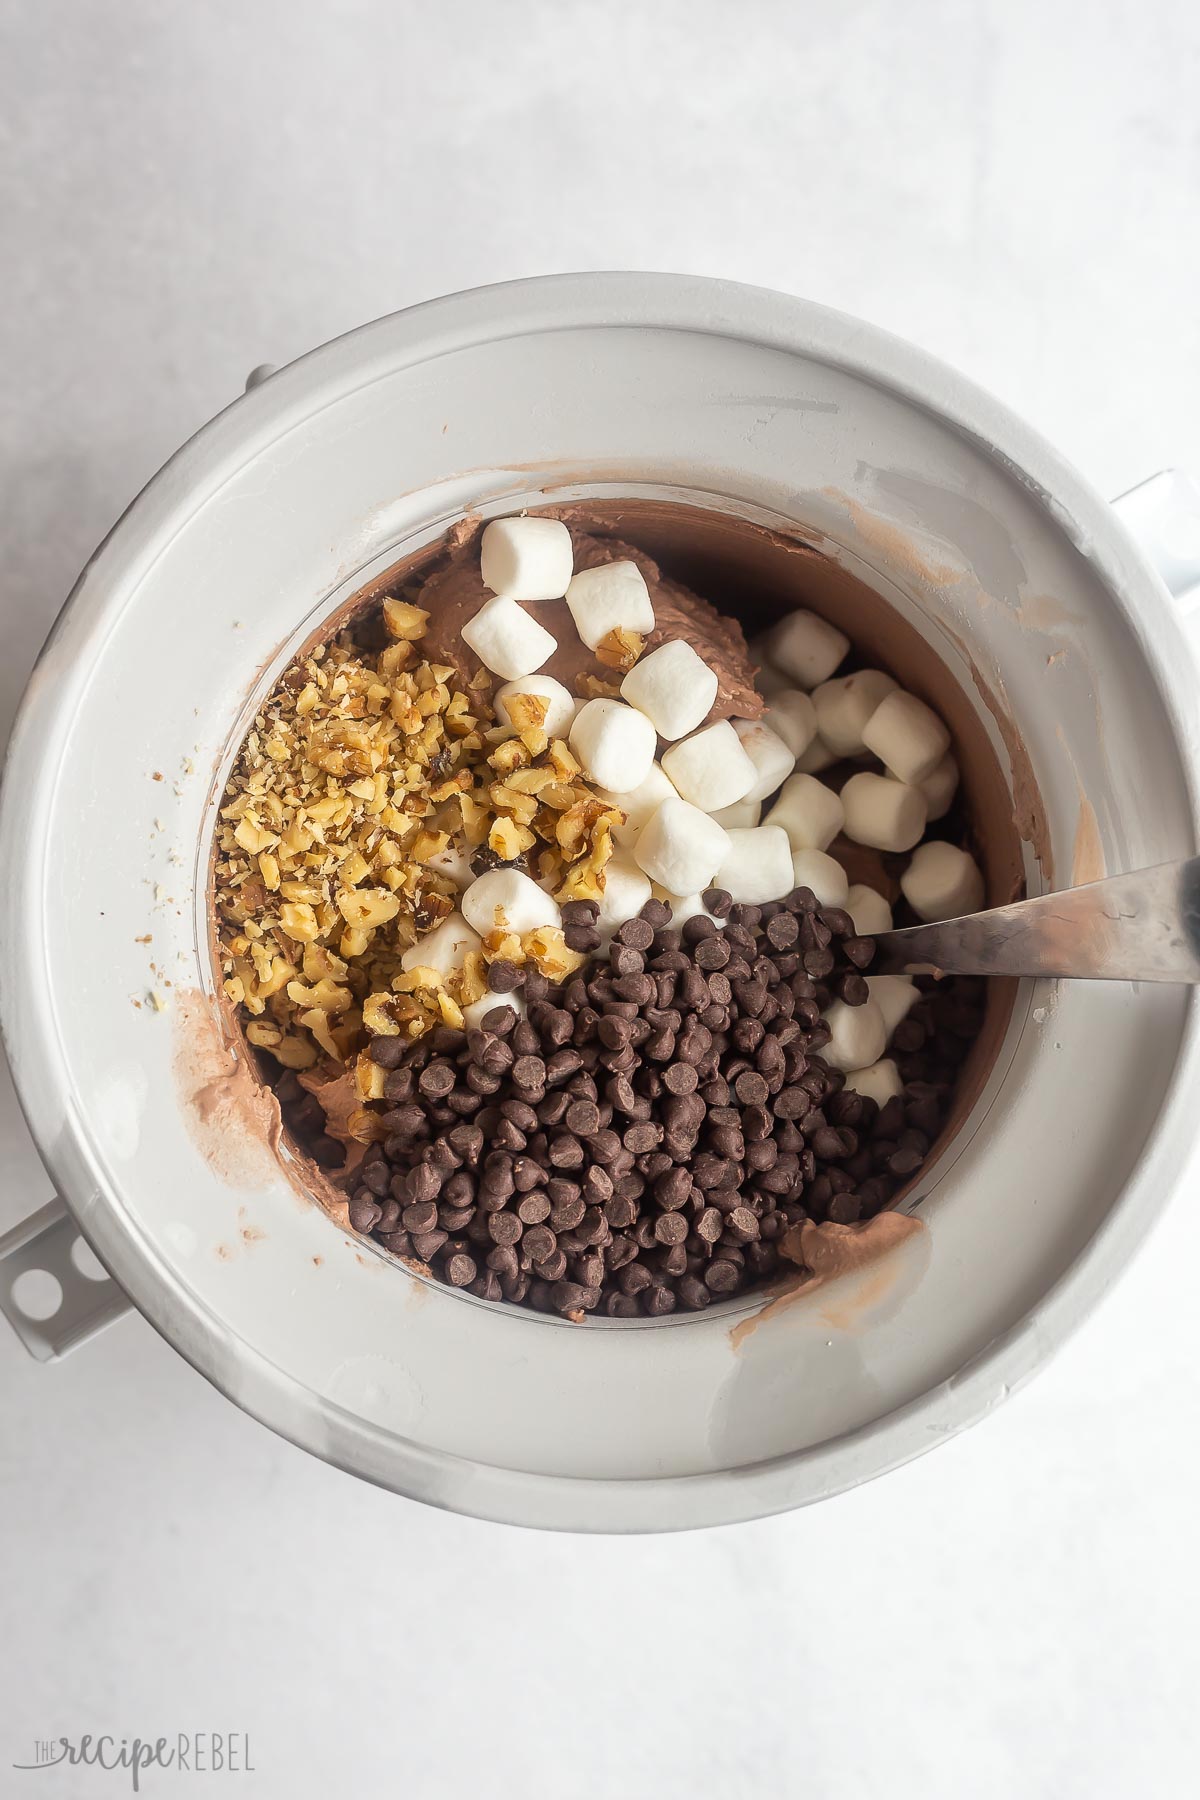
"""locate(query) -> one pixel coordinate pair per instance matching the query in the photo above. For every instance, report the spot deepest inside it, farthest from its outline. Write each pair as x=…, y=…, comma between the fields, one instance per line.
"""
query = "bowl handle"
x=54, y=1291
x=1163, y=514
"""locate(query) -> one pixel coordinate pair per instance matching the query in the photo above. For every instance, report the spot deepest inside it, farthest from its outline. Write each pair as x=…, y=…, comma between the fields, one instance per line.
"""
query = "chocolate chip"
x=712, y=953
x=905, y=1162
x=645, y=1135
x=634, y=1278
x=741, y=1225
x=697, y=928
x=593, y=1228
x=620, y=1211
x=680, y=1078
x=728, y=1143
x=436, y=1080
x=376, y=1178
x=751, y=1088
x=529, y=1074
x=422, y=1183
x=365, y=1213
x=783, y=931
x=421, y=1216
x=722, y=1276
x=583, y=1117
x=673, y=1189
x=504, y=1227
x=623, y=959
x=567, y=1296
x=567, y=1213
x=670, y=1228
x=538, y=1243
x=614, y=1033
x=710, y=1224
x=566, y=1151
x=637, y=934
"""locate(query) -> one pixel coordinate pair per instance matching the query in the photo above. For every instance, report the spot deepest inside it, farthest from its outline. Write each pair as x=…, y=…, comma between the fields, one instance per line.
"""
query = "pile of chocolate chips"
x=641, y=1140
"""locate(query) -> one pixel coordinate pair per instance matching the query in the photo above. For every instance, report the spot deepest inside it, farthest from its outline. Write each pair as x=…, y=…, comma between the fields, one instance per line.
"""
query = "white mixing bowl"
x=754, y=405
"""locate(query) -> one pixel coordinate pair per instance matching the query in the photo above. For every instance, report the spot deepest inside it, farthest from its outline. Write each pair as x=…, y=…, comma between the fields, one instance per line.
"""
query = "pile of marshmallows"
x=694, y=815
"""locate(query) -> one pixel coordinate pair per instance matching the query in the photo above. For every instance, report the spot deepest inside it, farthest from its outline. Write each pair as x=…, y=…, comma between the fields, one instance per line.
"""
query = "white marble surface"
x=188, y=190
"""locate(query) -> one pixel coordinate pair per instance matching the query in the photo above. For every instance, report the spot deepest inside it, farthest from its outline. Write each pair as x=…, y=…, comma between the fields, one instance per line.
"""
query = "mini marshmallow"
x=895, y=996
x=757, y=866
x=454, y=863
x=942, y=882
x=681, y=848
x=792, y=717
x=827, y=878
x=710, y=768
x=507, y=641
x=770, y=680
x=857, y=1035
x=526, y=559
x=687, y=906
x=741, y=813
x=809, y=812
x=673, y=686
x=818, y=756
x=907, y=736
x=940, y=788
x=806, y=647
x=881, y=1082
x=638, y=804
x=614, y=743
x=769, y=754
x=561, y=704
x=882, y=813
x=610, y=598
x=477, y=1011
x=507, y=900
x=625, y=892
x=444, y=948
x=845, y=706
x=869, y=910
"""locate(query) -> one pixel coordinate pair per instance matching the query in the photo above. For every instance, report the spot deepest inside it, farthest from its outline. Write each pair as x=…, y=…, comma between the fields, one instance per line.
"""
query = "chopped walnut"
x=403, y=620
x=361, y=770
x=527, y=712
x=620, y=648
x=327, y=826
x=591, y=687
x=546, y=948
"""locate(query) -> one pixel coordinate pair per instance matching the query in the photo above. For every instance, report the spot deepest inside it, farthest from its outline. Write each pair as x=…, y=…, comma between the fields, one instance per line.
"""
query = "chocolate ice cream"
x=453, y=594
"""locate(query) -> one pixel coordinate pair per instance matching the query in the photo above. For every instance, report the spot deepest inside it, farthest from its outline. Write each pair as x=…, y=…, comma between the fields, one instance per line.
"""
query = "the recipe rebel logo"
x=186, y=1753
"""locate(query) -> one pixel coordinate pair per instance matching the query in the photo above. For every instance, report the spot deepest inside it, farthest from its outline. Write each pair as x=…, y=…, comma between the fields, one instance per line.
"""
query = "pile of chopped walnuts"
x=367, y=783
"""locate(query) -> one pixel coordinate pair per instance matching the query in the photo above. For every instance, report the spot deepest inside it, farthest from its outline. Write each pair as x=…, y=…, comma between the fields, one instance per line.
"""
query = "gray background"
x=187, y=190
